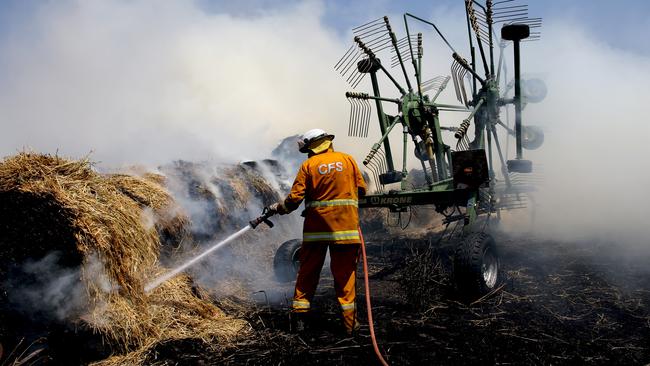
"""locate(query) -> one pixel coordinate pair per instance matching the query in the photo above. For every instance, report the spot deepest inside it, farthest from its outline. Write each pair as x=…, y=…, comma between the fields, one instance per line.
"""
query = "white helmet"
x=312, y=136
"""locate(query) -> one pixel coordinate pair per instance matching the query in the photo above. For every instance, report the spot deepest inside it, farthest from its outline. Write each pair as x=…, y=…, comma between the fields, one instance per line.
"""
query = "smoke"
x=45, y=289
x=593, y=159
x=150, y=82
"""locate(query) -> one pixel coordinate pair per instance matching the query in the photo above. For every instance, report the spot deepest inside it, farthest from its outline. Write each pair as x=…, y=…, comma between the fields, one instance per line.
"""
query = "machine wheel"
x=285, y=262
x=476, y=265
x=532, y=137
x=534, y=90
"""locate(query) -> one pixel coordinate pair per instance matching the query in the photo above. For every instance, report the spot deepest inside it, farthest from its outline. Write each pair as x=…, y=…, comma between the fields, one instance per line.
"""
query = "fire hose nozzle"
x=266, y=213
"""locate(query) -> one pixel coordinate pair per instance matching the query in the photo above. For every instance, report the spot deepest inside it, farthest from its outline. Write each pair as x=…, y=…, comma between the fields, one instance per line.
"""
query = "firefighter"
x=330, y=183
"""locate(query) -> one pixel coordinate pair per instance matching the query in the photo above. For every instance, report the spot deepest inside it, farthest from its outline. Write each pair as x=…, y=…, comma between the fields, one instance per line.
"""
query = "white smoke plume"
x=150, y=82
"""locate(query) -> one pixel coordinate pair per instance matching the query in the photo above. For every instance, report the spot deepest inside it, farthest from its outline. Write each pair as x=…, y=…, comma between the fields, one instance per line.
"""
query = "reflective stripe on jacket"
x=329, y=182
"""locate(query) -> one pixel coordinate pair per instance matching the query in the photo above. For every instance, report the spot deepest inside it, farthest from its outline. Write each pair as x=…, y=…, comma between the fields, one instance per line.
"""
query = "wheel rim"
x=490, y=268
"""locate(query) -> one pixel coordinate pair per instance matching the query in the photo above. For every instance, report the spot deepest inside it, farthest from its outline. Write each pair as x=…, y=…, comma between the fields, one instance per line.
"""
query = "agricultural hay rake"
x=460, y=178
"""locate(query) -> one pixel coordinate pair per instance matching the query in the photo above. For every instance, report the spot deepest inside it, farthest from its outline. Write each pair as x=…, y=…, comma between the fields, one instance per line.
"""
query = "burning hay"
x=110, y=227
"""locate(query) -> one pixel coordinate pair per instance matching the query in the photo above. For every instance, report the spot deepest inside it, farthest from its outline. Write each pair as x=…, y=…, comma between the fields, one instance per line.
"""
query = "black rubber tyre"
x=285, y=262
x=534, y=90
x=532, y=137
x=476, y=265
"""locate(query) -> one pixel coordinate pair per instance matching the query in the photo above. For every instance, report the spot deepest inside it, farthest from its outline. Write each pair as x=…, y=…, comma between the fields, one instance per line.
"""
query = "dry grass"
x=119, y=220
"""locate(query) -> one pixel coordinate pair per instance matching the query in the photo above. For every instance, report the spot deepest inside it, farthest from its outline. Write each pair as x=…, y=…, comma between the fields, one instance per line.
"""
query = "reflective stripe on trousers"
x=300, y=305
x=329, y=203
x=331, y=236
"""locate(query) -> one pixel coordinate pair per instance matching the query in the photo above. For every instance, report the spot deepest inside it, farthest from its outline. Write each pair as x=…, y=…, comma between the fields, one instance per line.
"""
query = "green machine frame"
x=453, y=176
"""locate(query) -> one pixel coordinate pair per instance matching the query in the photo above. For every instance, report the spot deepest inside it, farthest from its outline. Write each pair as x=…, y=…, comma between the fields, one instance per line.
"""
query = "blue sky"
x=622, y=24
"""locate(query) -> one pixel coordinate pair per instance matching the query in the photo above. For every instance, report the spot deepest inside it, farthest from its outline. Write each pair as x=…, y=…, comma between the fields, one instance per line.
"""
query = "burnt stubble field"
x=557, y=303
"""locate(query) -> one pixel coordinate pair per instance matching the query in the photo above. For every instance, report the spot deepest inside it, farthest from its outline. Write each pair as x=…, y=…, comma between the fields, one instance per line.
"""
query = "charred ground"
x=558, y=303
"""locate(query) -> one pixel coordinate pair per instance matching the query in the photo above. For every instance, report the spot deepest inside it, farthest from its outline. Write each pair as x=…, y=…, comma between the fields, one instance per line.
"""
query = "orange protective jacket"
x=330, y=184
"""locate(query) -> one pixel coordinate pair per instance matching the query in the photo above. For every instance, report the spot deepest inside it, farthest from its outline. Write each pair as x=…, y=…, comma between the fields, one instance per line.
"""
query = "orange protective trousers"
x=343, y=265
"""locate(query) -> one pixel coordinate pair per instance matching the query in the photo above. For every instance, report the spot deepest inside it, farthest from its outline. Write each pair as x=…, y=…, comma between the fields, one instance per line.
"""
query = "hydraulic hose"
x=371, y=324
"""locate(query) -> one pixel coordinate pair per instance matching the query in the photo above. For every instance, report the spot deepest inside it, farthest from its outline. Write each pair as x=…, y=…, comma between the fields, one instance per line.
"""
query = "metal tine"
x=438, y=80
x=375, y=25
x=381, y=32
x=495, y=9
x=511, y=11
x=376, y=164
x=352, y=62
x=510, y=18
x=360, y=76
x=354, y=81
x=483, y=33
x=350, y=121
x=347, y=54
x=369, y=116
x=434, y=83
x=461, y=82
x=353, y=116
x=375, y=177
x=395, y=61
x=358, y=81
x=523, y=14
x=366, y=114
x=403, y=46
x=482, y=18
x=454, y=72
x=366, y=24
x=380, y=158
x=432, y=87
x=352, y=67
x=378, y=44
x=345, y=68
x=349, y=60
x=370, y=28
x=361, y=117
x=378, y=35
x=355, y=124
x=402, y=43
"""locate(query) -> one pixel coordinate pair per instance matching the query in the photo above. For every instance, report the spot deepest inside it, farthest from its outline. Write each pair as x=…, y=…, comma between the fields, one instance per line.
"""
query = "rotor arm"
x=377, y=145
x=393, y=39
x=464, y=126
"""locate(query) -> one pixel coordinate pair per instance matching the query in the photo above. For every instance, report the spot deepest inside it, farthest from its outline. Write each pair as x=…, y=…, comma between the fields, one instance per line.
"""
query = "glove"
x=277, y=208
x=272, y=209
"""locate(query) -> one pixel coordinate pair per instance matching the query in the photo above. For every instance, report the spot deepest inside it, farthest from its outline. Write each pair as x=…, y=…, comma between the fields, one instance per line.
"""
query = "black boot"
x=298, y=322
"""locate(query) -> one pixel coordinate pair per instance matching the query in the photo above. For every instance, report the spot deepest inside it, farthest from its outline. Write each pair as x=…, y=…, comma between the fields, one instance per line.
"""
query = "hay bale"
x=222, y=198
x=170, y=221
x=109, y=226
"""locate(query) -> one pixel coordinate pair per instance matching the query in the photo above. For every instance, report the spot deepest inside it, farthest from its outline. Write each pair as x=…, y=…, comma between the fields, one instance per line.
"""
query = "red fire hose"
x=368, y=305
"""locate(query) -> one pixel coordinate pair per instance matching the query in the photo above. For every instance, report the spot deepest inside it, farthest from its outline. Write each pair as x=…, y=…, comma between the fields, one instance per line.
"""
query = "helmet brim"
x=304, y=148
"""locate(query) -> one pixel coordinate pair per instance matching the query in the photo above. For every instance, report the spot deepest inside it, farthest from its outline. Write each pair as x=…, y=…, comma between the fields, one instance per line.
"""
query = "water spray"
x=264, y=218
